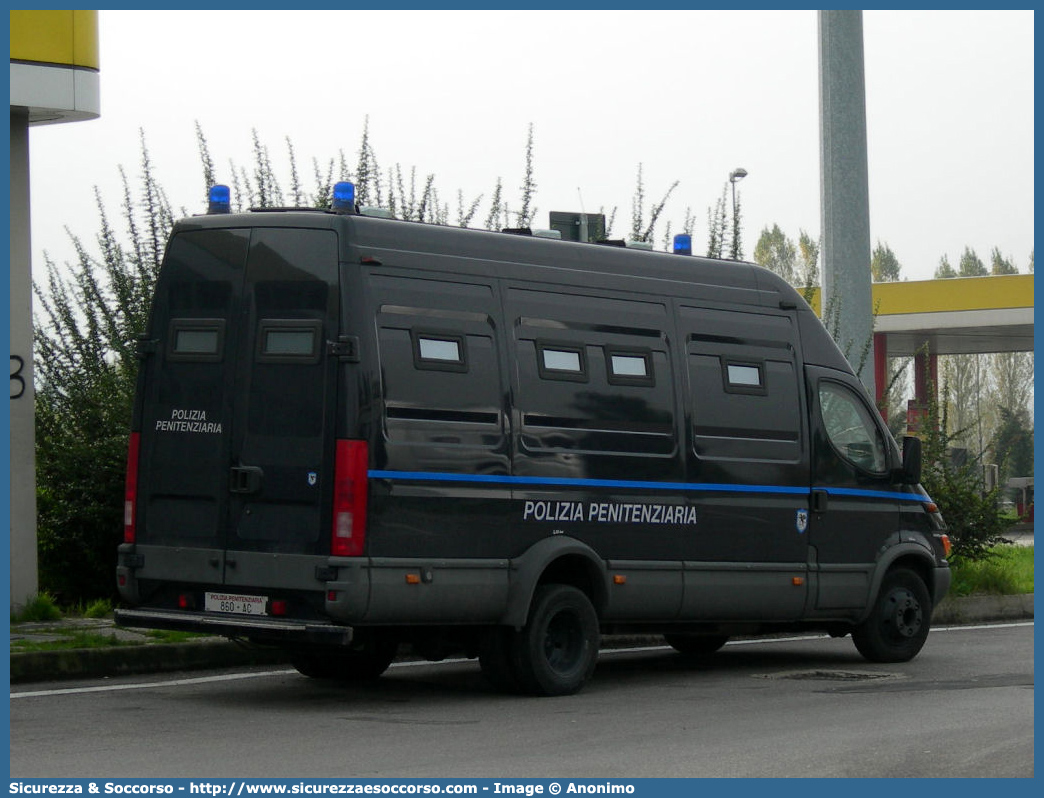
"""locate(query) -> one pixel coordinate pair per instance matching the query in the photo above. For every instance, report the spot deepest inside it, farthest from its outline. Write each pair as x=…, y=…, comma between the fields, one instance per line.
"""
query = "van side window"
x=629, y=367
x=439, y=370
x=744, y=377
x=851, y=429
x=561, y=362
x=440, y=351
x=585, y=371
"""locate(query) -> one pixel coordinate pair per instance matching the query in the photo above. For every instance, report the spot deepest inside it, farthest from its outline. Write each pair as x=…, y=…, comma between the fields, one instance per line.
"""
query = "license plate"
x=236, y=603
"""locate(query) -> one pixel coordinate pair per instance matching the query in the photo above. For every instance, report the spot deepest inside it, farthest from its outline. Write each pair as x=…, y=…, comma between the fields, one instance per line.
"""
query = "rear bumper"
x=273, y=631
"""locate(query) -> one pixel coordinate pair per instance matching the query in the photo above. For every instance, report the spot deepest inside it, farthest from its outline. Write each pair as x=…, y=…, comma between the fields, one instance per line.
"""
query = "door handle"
x=820, y=500
x=245, y=479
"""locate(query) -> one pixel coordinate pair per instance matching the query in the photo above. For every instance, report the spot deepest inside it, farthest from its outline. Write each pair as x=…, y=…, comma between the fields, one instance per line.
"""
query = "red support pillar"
x=881, y=373
x=926, y=369
x=926, y=381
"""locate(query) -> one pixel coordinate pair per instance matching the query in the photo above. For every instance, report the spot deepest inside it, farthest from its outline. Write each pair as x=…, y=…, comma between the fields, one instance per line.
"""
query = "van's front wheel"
x=557, y=650
x=899, y=622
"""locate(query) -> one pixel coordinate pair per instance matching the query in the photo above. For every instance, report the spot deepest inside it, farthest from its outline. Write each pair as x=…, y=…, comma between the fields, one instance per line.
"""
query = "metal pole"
x=845, y=204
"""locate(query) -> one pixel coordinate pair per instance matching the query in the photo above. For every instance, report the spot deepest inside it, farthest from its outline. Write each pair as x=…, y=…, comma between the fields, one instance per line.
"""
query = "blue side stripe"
x=690, y=487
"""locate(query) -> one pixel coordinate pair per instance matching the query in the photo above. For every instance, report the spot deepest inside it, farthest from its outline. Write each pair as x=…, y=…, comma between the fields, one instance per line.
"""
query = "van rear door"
x=238, y=398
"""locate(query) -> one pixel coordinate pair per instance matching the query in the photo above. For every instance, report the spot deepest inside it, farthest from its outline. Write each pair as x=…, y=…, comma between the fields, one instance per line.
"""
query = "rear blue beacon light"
x=683, y=244
x=220, y=200
x=344, y=197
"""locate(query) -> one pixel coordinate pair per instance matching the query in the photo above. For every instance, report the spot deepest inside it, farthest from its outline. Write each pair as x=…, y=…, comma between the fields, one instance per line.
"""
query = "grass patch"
x=71, y=640
x=1008, y=572
x=99, y=608
x=41, y=607
x=166, y=636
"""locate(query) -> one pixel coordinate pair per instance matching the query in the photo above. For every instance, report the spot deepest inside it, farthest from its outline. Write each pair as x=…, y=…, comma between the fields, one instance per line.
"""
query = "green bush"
x=975, y=524
x=973, y=516
x=41, y=607
x=99, y=608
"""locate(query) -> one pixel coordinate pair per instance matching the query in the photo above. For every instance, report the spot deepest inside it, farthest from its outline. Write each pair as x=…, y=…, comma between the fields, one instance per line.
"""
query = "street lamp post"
x=737, y=174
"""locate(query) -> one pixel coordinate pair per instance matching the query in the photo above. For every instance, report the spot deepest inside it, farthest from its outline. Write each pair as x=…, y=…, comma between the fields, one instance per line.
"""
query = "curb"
x=979, y=609
x=94, y=663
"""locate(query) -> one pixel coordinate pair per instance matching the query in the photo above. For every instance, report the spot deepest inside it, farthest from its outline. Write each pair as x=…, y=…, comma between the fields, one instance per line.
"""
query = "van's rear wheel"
x=899, y=622
x=367, y=658
x=557, y=650
x=695, y=645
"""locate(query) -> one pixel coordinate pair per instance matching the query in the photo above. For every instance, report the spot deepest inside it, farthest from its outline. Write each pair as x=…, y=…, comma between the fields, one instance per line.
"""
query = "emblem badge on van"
x=312, y=479
x=802, y=521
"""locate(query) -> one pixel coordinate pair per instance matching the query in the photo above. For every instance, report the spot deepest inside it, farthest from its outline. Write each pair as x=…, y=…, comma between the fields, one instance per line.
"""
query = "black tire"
x=366, y=659
x=899, y=623
x=496, y=660
x=696, y=645
x=557, y=650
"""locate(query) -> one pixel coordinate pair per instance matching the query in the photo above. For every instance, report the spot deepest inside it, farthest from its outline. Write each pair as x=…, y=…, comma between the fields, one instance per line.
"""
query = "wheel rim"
x=563, y=643
x=904, y=616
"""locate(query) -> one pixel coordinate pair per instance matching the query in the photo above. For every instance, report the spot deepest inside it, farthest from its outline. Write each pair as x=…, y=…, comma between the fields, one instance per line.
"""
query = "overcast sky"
x=689, y=95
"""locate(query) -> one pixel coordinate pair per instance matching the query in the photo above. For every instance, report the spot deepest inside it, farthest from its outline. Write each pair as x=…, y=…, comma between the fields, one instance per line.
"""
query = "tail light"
x=348, y=535
x=947, y=544
x=130, y=493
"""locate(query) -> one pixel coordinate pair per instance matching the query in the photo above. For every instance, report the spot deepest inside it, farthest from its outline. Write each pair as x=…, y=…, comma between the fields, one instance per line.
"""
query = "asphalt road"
x=808, y=707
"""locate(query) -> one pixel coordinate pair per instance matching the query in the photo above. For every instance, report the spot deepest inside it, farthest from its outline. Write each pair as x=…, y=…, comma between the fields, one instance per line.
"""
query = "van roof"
x=513, y=255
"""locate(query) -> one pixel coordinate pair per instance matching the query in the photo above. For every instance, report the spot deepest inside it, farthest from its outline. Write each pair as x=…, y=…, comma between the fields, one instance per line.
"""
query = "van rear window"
x=196, y=339
x=289, y=341
x=196, y=342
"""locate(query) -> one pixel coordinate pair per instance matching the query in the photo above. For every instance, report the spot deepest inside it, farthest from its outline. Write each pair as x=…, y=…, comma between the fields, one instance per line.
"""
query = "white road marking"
x=230, y=677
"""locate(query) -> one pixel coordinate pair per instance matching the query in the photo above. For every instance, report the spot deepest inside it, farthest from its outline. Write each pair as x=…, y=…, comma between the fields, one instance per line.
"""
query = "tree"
x=1012, y=374
x=496, y=208
x=777, y=253
x=808, y=262
x=525, y=216
x=971, y=265
x=736, y=247
x=464, y=217
x=640, y=231
x=1012, y=444
x=366, y=170
x=884, y=265
x=893, y=402
x=1001, y=265
x=965, y=384
x=717, y=221
x=944, y=270
x=86, y=363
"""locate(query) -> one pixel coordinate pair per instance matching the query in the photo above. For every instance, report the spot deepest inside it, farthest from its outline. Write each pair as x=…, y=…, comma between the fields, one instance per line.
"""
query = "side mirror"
x=911, y=473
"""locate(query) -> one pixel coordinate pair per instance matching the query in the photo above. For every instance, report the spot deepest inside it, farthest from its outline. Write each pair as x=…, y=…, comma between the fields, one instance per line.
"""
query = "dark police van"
x=353, y=434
